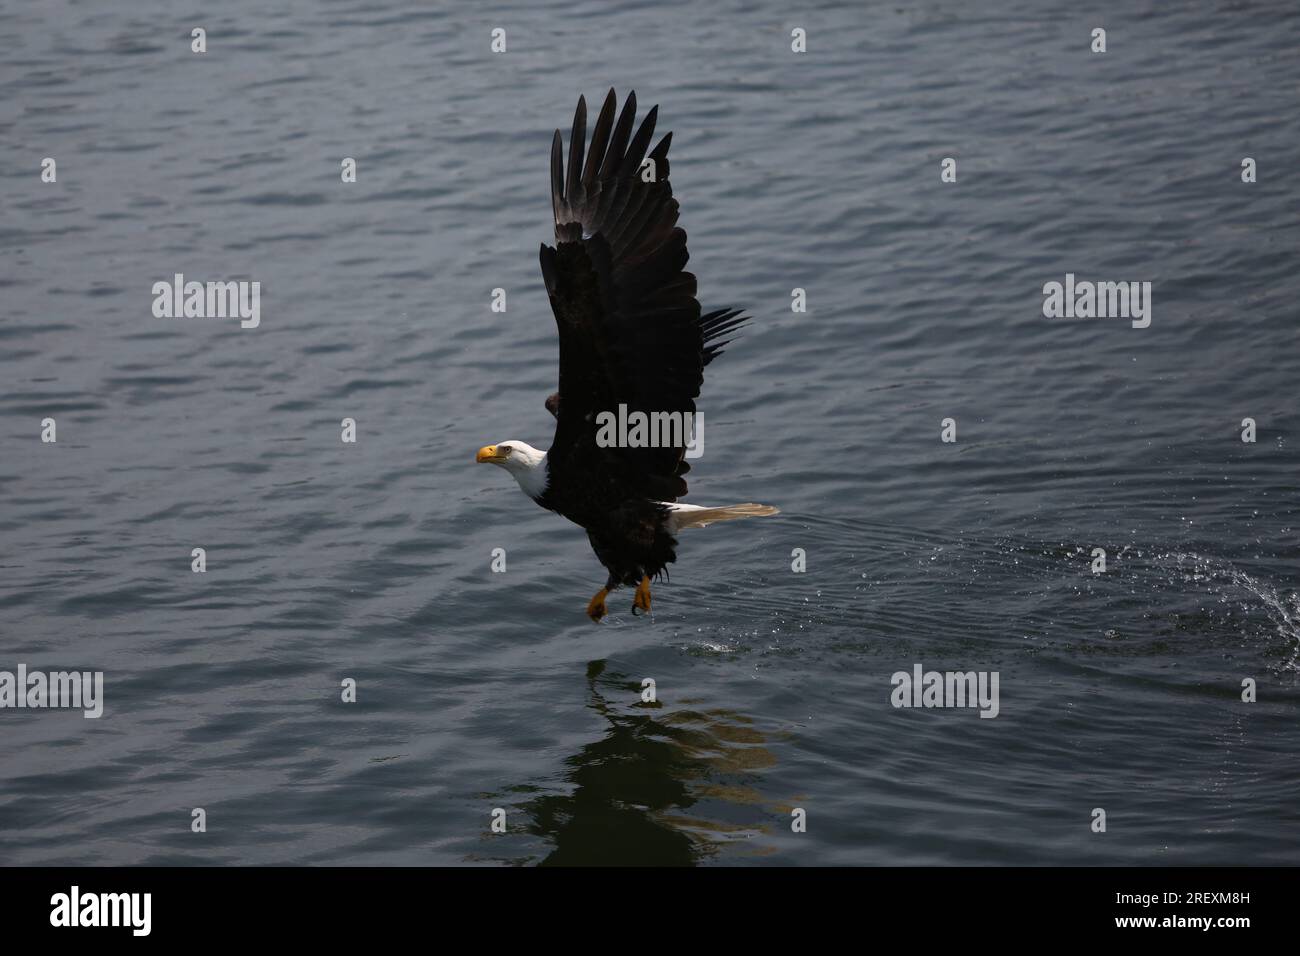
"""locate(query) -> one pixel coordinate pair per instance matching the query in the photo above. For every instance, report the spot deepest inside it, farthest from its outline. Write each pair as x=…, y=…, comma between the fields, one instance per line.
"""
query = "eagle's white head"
x=526, y=463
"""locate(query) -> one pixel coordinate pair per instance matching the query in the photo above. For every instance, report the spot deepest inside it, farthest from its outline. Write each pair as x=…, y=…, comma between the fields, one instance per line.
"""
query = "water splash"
x=1281, y=606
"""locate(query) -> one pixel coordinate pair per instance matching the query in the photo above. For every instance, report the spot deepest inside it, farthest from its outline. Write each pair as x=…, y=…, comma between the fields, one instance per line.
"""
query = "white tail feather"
x=695, y=516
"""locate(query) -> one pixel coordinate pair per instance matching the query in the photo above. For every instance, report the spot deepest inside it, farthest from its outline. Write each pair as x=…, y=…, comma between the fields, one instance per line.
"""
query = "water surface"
x=478, y=690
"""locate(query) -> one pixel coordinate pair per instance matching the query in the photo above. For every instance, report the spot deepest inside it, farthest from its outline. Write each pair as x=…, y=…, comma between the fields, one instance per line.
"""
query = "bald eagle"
x=632, y=334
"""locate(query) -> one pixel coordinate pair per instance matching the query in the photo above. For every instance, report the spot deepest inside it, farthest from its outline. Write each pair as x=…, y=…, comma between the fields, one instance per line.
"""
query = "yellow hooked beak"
x=491, y=453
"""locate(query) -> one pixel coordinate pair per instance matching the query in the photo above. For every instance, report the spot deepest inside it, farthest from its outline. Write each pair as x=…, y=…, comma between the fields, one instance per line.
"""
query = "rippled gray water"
x=479, y=690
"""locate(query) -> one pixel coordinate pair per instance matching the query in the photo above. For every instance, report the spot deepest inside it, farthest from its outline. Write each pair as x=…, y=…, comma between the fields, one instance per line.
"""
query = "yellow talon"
x=596, y=606
x=642, y=599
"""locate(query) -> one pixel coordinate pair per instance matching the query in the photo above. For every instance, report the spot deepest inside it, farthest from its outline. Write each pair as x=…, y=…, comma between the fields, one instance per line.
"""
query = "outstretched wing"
x=630, y=328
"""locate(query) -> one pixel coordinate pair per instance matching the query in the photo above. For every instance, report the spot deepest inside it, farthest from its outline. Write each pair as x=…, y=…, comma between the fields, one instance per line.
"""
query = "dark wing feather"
x=630, y=327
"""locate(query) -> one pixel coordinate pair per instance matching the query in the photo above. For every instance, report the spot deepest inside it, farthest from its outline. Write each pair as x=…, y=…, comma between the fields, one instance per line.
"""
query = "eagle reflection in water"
x=637, y=793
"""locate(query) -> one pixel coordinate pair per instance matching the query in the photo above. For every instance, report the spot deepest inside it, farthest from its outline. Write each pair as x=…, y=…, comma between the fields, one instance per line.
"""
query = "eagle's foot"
x=642, y=600
x=596, y=606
